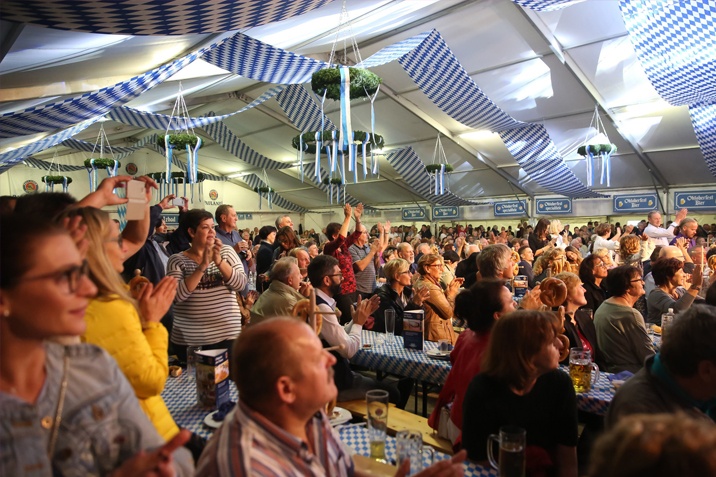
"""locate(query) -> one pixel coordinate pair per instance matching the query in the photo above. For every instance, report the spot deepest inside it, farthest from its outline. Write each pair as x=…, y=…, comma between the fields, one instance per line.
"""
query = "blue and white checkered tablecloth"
x=180, y=397
x=356, y=437
x=395, y=359
x=598, y=399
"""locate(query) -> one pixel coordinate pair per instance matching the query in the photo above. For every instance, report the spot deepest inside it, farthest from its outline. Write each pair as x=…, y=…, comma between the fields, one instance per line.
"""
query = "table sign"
x=446, y=212
x=554, y=206
x=413, y=329
x=413, y=213
x=635, y=202
x=510, y=207
x=695, y=200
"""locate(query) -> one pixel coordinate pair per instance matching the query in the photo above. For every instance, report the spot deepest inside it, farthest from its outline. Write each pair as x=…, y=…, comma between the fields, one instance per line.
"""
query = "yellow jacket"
x=141, y=354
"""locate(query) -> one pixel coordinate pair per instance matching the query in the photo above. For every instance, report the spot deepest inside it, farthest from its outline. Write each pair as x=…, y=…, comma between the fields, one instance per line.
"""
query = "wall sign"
x=635, y=202
x=414, y=213
x=554, y=206
x=695, y=200
x=446, y=212
x=30, y=186
x=510, y=207
x=171, y=219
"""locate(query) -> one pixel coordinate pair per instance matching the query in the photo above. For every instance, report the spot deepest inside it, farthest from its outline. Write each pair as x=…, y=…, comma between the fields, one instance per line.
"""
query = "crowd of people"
x=84, y=355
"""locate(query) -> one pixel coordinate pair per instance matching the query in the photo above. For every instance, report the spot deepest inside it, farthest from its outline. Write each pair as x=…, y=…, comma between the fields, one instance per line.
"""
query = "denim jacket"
x=102, y=424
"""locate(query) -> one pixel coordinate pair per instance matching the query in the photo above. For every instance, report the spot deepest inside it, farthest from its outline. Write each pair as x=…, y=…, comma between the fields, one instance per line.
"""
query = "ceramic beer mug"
x=511, y=459
x=580, y=369
x=409, y=445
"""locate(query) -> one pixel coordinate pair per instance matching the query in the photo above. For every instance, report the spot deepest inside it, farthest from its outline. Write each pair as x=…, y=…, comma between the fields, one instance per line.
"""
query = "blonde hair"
x=102, y=273
x=628, y=246
x=555, y=227
x=571, y=280
x=395, y=267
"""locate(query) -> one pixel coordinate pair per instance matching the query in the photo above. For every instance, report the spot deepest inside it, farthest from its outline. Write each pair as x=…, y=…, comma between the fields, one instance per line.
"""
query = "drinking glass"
x=377, y=404
x=511, y=460
x=409, y=445
x=580, y=369
x=389, y=326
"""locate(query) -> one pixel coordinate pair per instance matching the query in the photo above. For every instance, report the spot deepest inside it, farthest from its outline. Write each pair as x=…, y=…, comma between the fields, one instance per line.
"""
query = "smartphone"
x=179, y=202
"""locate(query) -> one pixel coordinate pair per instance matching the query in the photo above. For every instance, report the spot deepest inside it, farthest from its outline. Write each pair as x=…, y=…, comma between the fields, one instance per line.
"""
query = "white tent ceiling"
x=550, y=68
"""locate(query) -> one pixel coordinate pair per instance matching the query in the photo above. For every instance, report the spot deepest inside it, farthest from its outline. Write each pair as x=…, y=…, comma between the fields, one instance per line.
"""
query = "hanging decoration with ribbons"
x=439, y=167
x=51, y=180
x=183, y=137
x=342, y=83
x=598, y=148
x=102, y=158
x=265, y=191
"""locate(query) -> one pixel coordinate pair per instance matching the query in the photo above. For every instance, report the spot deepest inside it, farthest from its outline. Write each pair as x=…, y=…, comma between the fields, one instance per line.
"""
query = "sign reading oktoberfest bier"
x=695, y=200
x=635, y=202
x=554, y=206
x=510, y=207
x=414, y=213
x=446, y=212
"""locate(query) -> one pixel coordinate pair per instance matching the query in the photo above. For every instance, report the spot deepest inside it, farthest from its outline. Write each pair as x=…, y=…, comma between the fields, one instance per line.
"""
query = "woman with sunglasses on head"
x=439, y=304
x=77, y=413
x=519, y=385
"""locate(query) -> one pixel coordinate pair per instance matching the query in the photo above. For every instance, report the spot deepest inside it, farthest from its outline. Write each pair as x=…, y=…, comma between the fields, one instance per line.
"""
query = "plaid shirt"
x=339, y=249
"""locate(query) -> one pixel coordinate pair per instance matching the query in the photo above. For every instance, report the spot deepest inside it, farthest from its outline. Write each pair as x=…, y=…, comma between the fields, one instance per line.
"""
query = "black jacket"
x=389, y=300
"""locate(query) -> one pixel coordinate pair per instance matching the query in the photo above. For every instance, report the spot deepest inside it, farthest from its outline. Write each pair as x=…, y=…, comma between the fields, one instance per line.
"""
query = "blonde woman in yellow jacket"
x=128, y=329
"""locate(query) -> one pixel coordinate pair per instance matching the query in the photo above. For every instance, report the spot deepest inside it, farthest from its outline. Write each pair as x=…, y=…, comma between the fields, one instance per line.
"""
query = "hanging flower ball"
x=335, y=181
x=309, y=140
x=178, y=141
x=596, y=149
x=56, y=179
x=101, y=163
x=263, y=189
x=160, y=176
x=328, y=80
x=435, y=168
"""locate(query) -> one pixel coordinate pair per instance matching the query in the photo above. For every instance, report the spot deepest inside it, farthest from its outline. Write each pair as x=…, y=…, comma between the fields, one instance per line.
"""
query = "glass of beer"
x=511, y=460
x=409, y=445
x=580, y=369
x=377, y=403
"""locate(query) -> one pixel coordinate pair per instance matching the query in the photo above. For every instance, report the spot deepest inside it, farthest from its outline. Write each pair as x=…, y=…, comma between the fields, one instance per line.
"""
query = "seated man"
x=284, y=378
x=285, y=290
x=325, y=276
x=682, y=377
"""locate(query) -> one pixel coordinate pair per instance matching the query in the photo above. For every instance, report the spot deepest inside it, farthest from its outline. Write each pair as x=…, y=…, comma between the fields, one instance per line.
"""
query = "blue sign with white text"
x=446, y=212
x=696, y=200
x=171, y=219
x=414, y=213
x=510, y=207
x=554, y=206
x=635, y=202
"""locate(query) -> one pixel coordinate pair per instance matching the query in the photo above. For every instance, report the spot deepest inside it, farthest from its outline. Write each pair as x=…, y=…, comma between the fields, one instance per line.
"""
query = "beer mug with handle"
x=511, y=460
x=580, y=369
x=409, y=445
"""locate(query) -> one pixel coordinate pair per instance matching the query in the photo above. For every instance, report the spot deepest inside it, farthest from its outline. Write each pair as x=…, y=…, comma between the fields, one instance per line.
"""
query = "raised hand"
x=154, y=301
x=157, y=463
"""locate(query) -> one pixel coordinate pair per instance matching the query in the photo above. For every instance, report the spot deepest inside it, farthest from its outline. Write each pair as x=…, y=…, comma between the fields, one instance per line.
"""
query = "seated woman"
x=209, y=276
x=574, y=259
x=75, y=409
x=520, y=385
x=669, y=278
x=287, y=241
x=621, y=333
x=397, y=294
x=439, y=304
x=480, y=305
x=128, y=329
x=578, y=326
x=592, y=272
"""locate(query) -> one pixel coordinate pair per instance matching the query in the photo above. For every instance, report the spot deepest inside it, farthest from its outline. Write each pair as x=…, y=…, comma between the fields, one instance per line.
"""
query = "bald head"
x=671, y=252
x=263, y=353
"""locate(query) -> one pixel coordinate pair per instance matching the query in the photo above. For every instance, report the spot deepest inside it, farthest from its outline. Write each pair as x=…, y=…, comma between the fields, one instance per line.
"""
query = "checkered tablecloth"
x=395, y=359
x=598, y=399
x=356, y=437
x=180, y=397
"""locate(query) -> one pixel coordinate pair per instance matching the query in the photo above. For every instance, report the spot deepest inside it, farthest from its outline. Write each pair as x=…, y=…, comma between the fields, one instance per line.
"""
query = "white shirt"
x=659, y=235
x=600, y=243
x=335, y=334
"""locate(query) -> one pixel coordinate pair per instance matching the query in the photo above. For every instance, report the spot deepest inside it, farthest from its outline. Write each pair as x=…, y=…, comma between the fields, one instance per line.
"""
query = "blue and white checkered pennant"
x=64, y=113
x=535, y=152
x=154, y=17
x=675, y=42
x=255, y=181
x=546, y=5
x=220, y=133
x=302, y=110
x=703, y=117
x=412, y=170
x=145, y=119
x=11, y=158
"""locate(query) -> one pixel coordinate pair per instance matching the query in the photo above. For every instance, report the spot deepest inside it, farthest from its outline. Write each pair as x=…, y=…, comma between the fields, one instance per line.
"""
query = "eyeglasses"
x=119, y=240
x=440, y=265
x=405, y=272
x=70, y=276
x=335, y=275
x=637, y=280
x=601, y=265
